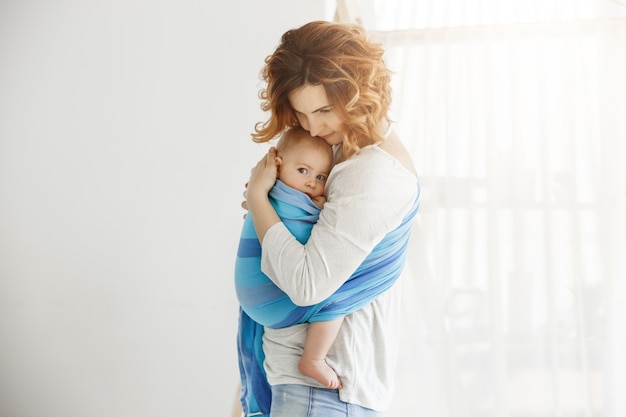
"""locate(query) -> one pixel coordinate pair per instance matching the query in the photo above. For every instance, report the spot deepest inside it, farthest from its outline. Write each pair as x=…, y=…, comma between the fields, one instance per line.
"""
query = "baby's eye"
x=321, y=178
x=302, y=170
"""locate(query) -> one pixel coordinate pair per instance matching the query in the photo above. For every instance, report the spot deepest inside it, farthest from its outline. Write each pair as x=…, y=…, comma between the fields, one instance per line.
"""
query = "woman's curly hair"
x=349, y=67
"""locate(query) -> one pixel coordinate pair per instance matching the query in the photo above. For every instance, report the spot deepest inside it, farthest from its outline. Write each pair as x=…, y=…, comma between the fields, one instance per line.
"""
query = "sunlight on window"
x=512, y=111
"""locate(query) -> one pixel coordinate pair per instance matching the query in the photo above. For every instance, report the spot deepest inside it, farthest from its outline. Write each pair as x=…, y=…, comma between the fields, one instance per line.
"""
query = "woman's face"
x=316, y=114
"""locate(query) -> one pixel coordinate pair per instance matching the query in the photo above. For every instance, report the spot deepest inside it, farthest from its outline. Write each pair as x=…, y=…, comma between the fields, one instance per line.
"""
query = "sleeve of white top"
x=368, y=196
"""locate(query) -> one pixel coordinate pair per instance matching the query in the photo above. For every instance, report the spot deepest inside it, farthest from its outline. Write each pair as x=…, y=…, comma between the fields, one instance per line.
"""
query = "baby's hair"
x=340, y=58
x=296, y=135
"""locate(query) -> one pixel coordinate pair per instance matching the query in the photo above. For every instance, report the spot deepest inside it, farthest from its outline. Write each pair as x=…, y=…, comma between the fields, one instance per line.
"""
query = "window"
x=515, y=114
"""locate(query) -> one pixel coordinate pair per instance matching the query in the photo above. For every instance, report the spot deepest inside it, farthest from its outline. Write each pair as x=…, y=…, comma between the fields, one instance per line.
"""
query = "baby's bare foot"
x=321, y=371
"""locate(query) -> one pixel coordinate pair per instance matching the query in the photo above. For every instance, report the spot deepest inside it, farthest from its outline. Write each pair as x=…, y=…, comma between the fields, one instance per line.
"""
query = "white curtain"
x=515, y=112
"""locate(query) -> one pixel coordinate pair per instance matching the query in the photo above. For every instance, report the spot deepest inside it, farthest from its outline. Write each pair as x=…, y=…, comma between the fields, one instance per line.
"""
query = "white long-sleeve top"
x=368, y=195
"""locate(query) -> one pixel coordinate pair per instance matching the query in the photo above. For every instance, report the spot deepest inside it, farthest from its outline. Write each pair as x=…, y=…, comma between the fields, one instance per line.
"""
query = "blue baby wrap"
x=262, y=303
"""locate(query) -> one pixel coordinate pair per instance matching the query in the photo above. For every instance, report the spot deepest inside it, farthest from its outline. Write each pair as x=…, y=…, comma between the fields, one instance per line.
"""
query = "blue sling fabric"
x=262, y=303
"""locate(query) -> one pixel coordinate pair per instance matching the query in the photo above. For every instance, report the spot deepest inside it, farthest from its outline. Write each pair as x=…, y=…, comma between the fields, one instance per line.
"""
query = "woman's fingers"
x=263, y=175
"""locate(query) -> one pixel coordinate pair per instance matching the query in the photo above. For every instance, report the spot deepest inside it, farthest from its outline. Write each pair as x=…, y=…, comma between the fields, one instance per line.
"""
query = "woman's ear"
x=278, y=160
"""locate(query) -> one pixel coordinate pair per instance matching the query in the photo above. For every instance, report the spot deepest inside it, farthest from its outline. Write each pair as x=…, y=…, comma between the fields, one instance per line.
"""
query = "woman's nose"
x=315, y=127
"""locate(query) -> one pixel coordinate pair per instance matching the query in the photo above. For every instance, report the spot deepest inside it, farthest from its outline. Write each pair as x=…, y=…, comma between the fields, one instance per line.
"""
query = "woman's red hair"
x=349, y=67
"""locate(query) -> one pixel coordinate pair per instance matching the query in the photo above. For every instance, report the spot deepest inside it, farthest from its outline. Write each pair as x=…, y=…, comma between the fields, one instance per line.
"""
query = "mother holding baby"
x=330, y=80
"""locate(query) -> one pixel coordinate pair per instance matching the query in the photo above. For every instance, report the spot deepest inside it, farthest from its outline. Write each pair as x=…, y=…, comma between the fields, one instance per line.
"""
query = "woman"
x=330, y=80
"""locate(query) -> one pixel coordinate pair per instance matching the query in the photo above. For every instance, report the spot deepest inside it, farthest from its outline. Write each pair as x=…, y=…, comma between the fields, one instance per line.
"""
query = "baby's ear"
x=278, y=160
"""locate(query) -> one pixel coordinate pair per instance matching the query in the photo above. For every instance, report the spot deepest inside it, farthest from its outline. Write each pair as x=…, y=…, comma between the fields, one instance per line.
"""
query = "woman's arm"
x=262, y=179
x=368, y=197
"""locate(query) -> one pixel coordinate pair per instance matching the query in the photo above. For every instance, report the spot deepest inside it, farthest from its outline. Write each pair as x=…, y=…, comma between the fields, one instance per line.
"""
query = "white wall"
x=124, y=147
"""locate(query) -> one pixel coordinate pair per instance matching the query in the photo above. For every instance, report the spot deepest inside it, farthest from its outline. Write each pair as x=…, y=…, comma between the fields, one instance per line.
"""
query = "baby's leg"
x=319, y=339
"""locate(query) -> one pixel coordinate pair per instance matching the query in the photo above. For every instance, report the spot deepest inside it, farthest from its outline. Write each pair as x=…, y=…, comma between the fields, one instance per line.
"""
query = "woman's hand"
x=262, y=177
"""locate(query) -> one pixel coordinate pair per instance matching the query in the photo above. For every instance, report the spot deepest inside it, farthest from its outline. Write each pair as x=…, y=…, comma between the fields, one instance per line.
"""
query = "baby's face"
x=305, y=168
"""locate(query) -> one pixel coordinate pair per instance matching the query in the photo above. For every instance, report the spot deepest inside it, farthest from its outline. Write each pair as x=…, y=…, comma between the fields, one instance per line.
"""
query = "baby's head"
x=304, y=161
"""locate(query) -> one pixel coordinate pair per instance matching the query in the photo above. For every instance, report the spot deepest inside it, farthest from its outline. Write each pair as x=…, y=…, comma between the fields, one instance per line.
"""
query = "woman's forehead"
x=309, y=99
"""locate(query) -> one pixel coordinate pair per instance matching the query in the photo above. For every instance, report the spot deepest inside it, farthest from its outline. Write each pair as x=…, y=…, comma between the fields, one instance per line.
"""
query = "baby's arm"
x=319, y=201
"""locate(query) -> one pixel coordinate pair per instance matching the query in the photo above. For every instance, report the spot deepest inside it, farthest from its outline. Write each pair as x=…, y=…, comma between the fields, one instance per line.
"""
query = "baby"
x=304, y=162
